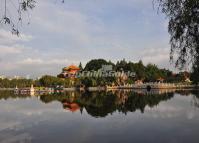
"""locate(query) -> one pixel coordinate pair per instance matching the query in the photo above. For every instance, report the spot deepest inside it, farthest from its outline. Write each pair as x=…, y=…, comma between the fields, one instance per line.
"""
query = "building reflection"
x=101, y=104
x=73, y=107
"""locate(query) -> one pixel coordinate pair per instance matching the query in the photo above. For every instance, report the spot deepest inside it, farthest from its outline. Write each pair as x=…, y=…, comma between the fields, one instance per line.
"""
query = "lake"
x=100, y=117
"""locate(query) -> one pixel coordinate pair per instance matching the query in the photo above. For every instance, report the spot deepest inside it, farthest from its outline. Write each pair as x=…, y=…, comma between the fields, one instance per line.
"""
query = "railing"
x=152, y=85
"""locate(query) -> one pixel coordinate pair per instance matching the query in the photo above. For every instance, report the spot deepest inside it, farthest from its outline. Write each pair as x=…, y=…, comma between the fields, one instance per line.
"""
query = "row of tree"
x=100, y=104
x=6, y=83
x=148, y=73
x=145, y=73
x=45, y=81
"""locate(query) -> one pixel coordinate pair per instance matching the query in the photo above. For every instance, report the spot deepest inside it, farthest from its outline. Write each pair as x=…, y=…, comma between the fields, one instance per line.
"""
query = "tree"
x=152, y=72
x=12, y=83
x=80, y=66
x=139, y=69
x=95, y=64
x=51, y=81
x=184, y=31
x=195, y=74
x=121, y=65
x=21, y=7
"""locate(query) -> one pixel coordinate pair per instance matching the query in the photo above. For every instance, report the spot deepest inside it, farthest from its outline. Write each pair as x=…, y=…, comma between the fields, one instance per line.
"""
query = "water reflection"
x=101, y=104
x=112, y=116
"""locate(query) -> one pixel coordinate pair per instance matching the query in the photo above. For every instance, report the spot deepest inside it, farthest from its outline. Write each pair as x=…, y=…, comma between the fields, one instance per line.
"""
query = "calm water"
x=120, y=116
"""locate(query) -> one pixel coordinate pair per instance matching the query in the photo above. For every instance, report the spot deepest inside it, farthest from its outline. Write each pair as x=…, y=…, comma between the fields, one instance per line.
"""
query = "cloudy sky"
x=79, y=30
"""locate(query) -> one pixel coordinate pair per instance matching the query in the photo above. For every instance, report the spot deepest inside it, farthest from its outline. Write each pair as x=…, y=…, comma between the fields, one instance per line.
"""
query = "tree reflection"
x=7, y=94
x=195, y=98
x=100, y=104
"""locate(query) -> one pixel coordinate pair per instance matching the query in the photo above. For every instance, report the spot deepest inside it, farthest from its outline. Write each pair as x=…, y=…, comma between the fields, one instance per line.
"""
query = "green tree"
x=95, y=64
x=6, y=83
x=152, y=72
x=184, y=31
x=121, y=65
x=80, y=66
x=49, y=81
x=195, y=74
x=139, y=69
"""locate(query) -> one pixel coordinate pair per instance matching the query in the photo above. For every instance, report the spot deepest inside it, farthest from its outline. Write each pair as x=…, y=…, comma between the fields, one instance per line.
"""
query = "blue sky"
x=80, y=30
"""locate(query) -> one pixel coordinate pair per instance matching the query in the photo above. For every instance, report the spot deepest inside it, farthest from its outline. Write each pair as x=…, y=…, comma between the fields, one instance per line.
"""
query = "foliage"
x=22, y=6
x=97, y=81
x=184, y=31
x=122, y=65
x=80, y=66
x=139, y=69
x=195, y=75
x=96, y=64
x=153, y=73
x=9, y=95
x=6, y=83
x=51, y=81
x=148, y=73
x=100, y=104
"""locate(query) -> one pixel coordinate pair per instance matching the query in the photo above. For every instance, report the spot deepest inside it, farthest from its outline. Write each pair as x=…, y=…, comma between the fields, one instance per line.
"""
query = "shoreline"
x=193, y=87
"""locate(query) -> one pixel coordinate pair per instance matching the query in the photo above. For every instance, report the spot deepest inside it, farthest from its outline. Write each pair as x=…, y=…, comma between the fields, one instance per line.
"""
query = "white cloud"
x=15, y=49
x=61, y=34
x=39, y=61
x=155, y=55
x=7, y=66
x=6, y=37
x=30, y=61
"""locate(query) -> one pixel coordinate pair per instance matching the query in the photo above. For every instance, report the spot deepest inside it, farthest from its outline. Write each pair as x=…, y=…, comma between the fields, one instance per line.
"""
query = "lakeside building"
x=69, y=72
x=106, y=68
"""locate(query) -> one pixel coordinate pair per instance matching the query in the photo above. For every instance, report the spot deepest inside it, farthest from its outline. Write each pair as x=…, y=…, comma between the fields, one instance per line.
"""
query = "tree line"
x=144, y=73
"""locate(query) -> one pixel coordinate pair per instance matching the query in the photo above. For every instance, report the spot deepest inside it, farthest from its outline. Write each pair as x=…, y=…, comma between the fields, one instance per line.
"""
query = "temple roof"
x=71, y=67
x=73, y=107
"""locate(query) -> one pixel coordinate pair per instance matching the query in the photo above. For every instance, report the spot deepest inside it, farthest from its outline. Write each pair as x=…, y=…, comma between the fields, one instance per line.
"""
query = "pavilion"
x=69, y=72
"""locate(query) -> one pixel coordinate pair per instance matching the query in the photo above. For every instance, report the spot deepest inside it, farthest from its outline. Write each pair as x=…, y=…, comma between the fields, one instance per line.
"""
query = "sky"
x=60, y=34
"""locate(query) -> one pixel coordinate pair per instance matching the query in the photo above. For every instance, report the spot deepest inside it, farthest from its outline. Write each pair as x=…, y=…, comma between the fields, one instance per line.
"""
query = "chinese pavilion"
x=69, y=72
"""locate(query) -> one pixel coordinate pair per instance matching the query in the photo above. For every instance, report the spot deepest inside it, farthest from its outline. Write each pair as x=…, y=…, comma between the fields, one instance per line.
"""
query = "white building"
x=106, y=68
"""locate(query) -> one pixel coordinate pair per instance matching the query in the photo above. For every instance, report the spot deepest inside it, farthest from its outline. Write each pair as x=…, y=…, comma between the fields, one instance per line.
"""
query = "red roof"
x=71, y=67
x=73, y=107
